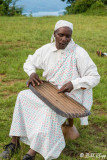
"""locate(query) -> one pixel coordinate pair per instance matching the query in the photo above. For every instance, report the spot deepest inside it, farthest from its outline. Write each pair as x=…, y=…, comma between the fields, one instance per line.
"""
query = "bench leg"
x=69, y=130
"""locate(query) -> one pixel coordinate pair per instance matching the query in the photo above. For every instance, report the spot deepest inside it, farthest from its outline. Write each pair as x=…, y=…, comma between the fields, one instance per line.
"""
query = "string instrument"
x=59, y=102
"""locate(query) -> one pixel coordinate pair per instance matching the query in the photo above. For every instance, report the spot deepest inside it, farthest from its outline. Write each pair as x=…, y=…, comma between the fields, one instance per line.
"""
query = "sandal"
x=9, y=150
x=28, y=157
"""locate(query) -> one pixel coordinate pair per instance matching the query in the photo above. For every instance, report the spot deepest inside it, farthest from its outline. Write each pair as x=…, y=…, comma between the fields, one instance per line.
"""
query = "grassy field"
x=21, y=36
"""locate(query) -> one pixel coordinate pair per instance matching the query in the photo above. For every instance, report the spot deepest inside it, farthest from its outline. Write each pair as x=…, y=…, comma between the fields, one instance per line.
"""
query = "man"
x=66, y=65
x=101, y=54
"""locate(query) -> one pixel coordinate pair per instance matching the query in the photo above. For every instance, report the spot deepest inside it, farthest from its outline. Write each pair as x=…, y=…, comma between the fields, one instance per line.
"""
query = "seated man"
x=66, y=65
x=101, y=54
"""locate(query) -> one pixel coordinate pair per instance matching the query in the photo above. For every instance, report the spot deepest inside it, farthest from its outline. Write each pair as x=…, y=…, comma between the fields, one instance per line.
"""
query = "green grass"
x=21, y=36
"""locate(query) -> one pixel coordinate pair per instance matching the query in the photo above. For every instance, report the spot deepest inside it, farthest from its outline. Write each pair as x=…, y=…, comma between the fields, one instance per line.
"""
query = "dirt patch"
x=2, y=76
x=97, y=128
x=13, y=45
x=1, y=43
x=100, y=112
x=69, y=152
x=7, y=94
x=10, y=83
x=10, y=42
x=96, y=102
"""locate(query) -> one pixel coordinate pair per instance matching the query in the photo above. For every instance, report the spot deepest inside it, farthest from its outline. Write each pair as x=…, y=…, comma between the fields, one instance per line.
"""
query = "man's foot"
x=9, y=150
x=101, y=54
x=28, y=157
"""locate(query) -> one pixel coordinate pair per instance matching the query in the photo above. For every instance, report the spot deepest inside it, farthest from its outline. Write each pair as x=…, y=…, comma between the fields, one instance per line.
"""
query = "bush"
x=9, y=8
x=80, y=6
x=97, y=5
x=98, y=8
x=104, y=1
x=14, y=10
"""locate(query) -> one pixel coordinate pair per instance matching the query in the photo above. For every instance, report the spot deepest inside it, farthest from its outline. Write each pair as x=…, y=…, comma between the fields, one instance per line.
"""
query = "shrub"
x=98, y=8
x=104, y=1
x=9, y=8
x=97, y=5
x=80, y=6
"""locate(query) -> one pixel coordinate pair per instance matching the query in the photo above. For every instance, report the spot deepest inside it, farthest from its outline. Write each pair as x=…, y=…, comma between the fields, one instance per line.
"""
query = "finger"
x=68, y=90
x=33, y=83
x=28, y=83
x=36, y=81
x=63, y=89
x=40, y=81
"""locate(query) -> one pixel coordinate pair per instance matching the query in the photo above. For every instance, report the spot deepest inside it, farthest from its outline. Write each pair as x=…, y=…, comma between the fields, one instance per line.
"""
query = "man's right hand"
x=34, y=79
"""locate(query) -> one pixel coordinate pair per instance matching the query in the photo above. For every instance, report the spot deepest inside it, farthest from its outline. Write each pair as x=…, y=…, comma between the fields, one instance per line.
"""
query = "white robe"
x=37, y=124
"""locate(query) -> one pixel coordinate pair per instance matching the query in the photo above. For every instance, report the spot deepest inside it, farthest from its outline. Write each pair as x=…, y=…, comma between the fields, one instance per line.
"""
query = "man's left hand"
x=66, y=87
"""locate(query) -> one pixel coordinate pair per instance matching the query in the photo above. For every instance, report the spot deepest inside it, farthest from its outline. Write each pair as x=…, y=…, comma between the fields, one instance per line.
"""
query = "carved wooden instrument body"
x=59, y=102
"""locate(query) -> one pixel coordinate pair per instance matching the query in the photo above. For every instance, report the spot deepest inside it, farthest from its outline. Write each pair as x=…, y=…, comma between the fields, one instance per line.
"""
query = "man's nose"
x=64, y=39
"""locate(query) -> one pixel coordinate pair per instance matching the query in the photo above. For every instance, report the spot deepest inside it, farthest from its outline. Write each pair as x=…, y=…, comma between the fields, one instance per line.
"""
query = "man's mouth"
x=63, y=44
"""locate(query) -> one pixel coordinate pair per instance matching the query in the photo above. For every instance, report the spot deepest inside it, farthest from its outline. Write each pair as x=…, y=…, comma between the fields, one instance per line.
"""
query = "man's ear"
x=54, y=33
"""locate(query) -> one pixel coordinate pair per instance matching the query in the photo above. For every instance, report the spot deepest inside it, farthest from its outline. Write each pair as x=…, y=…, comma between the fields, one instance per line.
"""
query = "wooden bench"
x=69, y=130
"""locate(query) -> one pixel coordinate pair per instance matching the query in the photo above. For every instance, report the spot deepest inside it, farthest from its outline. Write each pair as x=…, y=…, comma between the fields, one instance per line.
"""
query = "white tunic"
x=47, y=56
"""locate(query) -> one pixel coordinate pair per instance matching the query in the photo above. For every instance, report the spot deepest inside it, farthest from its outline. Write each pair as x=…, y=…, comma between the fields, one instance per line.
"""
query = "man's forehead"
x=64, y=30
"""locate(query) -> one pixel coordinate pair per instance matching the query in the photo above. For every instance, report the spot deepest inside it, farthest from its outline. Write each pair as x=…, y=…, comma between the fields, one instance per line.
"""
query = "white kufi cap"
x=63, y=23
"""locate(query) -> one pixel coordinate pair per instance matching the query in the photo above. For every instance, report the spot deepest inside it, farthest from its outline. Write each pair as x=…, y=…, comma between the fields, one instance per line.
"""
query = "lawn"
x=21, y=36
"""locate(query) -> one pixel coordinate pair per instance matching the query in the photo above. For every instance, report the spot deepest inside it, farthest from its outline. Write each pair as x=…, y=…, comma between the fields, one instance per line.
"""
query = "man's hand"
x=34, y=78
x=66, y=87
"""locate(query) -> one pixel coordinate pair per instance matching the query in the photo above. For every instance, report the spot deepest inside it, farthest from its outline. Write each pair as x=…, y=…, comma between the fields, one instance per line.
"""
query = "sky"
x=42, y=5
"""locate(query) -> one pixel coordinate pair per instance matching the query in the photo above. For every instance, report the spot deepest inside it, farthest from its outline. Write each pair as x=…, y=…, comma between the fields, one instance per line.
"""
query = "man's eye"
x=61, y=35
x=68, y=36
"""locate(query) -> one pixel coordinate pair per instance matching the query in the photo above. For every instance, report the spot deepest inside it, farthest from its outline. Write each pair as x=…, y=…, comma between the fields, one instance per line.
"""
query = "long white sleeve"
x=87, y=70
x=33, y=61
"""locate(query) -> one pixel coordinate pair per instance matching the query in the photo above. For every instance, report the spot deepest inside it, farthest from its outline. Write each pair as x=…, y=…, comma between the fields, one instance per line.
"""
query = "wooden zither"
x=59, y=102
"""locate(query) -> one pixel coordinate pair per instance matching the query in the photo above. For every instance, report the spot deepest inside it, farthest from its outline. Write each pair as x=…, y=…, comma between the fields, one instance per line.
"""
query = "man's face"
x=62, y=37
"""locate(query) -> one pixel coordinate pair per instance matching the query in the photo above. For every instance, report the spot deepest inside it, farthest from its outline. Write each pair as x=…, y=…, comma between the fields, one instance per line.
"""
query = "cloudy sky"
x=42, y=5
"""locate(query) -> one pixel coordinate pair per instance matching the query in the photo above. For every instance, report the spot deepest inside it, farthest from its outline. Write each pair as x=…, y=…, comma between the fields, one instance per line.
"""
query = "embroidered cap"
x=63, y=23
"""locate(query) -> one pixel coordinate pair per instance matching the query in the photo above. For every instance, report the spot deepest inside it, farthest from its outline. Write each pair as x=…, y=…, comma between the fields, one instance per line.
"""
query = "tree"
x=71, y=1
x=1, y=1
x=9, y=8
x=80, y=6
x=104, y=1
x=68, y=1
